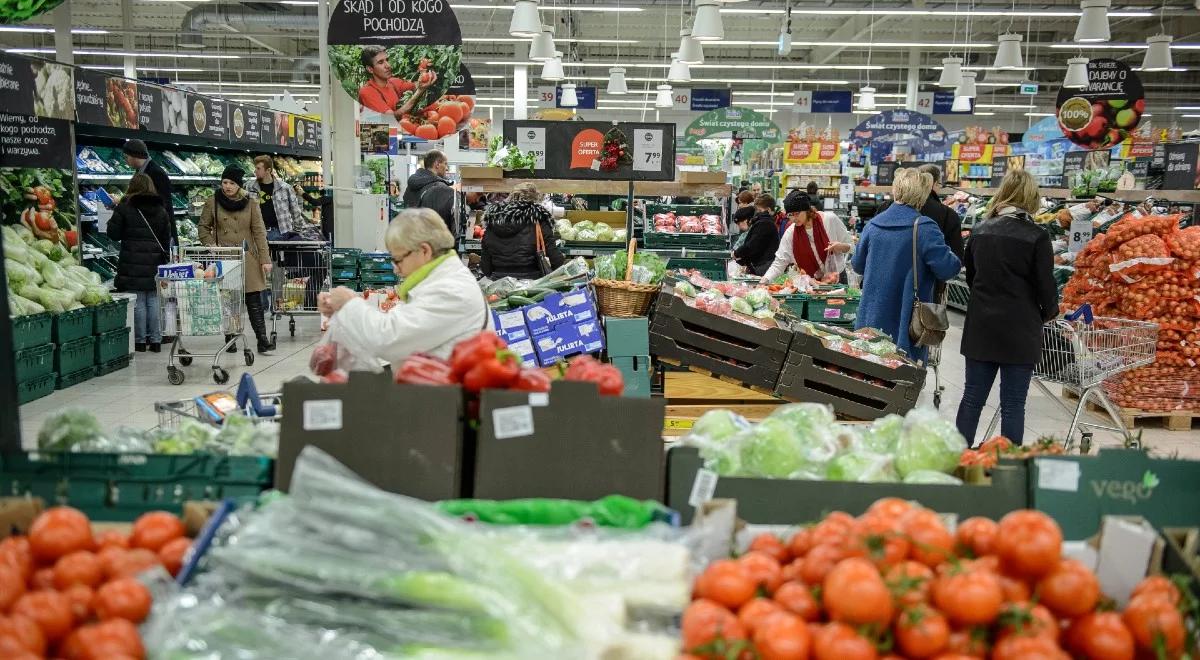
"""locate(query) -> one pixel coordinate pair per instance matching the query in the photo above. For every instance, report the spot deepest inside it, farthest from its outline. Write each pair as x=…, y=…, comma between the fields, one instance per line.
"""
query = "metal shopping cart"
x=302, y=271
x=935, y=357
x=1080, y=352
x=204, y=299
x=172, y=413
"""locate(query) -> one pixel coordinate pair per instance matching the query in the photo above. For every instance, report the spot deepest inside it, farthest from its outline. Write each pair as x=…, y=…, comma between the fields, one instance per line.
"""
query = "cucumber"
x=520, y=301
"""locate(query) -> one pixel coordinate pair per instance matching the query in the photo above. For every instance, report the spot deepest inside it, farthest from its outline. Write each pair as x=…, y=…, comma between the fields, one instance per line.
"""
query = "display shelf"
x=602, y=187
x=124, y=178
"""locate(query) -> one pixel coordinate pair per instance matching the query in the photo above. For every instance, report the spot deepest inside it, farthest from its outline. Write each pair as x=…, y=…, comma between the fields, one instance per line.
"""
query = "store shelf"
x=124, y=178
x=601, y=187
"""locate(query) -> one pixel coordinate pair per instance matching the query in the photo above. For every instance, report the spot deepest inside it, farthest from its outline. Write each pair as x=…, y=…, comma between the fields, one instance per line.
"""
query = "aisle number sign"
x=682, y=99
x=1080, y=234
x=546, y=95
x=647, y=149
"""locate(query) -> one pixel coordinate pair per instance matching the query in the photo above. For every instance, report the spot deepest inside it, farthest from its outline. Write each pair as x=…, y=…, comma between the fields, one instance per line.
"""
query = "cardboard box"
x=636, y=371
x=476, y=172
x=567, y=339
x=524, y=349
x=510, y=325
x=578, y=306
x=627, y=337
x=17, y=514
x=702, y=177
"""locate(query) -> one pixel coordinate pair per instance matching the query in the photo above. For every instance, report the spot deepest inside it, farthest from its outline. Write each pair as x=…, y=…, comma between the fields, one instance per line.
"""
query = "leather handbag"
x=543, y=260
x=929, y=321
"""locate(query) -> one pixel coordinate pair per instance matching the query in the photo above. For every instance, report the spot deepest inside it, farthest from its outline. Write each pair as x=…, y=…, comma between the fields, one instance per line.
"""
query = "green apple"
x=1118, y=103
x=1127, y=118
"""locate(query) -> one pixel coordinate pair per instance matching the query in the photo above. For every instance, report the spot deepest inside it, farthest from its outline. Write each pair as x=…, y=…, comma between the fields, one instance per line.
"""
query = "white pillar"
x=913, y=83
x=343, y=151
x=130, y=62
x=521, y=92
x=64, y=50
x=325, y=90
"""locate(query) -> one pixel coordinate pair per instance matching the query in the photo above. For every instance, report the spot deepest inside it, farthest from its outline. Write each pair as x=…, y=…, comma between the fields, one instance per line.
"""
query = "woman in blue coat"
x=884, y=257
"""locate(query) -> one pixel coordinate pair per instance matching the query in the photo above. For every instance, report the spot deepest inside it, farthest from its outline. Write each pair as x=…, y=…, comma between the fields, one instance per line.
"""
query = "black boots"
x=140, y=348
x=254, y=309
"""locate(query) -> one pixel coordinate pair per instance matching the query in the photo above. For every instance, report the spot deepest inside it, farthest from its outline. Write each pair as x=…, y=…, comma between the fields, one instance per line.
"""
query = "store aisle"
x=127, y=397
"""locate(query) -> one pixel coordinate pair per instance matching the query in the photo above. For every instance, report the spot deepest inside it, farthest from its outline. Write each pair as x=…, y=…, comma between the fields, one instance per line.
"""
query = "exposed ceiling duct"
x=242, y=18
x=305, y=67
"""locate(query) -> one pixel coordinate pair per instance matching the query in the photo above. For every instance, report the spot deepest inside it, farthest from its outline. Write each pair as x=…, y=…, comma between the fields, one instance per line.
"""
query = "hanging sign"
x=1105, y=112
x=596, y=150
x=832, y=102
x=1002, y=164
x=1180, y=172
x=703, y=100
x=547, y=96
x=150, y=108
x=1029, y=89
x=941, y=103
x=918, y=131
x=90, y=90
x=16, y=79
x=206, y=117
x=53, y=89
x=815, y=151
x=725, y=122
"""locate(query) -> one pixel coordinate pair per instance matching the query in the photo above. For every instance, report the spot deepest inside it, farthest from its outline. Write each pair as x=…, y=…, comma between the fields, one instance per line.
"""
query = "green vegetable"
x=685, y=289
x=53, y=274
x=17, y=272
x=928, y=443
x=758, y=298
x=612, y=511
x=883, y=434
x=604, y=233
x=64, y=430
x=742, y=307
x=862, y=466
x=763, y=313
x=931, y=477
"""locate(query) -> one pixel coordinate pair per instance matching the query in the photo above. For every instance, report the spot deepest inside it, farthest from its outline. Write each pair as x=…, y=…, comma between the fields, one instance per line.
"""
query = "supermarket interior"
x=600, y=329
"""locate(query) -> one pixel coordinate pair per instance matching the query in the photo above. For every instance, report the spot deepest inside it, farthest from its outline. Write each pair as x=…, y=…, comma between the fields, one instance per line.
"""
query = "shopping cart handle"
x=247, y=394
x=1085, y=311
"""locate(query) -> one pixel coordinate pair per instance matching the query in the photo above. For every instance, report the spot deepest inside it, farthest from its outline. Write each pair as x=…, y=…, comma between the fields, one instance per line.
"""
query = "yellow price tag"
x=677, y=424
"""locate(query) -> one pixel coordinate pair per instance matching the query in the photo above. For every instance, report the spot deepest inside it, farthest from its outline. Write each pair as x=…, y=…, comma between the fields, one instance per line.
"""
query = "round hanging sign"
x=1105, y=112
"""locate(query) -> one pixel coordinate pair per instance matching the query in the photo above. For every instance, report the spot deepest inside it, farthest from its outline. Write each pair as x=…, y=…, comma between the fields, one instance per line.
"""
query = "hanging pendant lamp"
x=1077, y=73
x=552, y=69
x=966, y=88
x=690, y=51
x=951, y=72
x=1158, y=53
x=616, y=81
x=1008, y=54
x=525, y=20
x=707, y=25
x=679, y=72
x=568, y=98
x=542, y=48
x=866, y=98
x=961, y=104
x=663, y=98
x=1093, y=22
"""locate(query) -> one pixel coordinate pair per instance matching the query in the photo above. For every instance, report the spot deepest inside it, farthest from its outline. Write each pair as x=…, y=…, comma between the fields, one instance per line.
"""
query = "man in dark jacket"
x=762, y=240
x=945, y=217
x=137, y=156
x=510, y=242
x=428, y=188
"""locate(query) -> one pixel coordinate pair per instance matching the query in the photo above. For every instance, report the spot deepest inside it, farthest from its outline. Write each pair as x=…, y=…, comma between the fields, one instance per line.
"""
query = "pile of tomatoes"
x=68, y=593
x=989, y=453
x=896, y=583
x=440, y=118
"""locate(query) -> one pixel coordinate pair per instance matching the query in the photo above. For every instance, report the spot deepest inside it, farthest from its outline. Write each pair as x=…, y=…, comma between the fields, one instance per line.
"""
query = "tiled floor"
x=127, y=397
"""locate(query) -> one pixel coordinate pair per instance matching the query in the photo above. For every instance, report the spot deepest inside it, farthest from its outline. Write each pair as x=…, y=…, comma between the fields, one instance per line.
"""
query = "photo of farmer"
x=383, y=90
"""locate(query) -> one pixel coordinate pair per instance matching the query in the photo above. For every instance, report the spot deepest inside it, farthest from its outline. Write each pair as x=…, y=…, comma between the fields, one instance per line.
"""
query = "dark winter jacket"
x=1010, y=269
x=510, y=242
x=162, y=185
x=762, y=240
x=427, y=190
x=143, y=242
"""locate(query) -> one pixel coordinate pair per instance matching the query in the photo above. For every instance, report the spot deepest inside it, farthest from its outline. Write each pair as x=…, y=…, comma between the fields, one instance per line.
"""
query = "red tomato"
x=130, y=563
x=12, y=587
x=763, y=569
x=111, y=538
x=81, y=601
x=796, y=598
x=59, y=531
x=451, y=109
x=819, y=561
x=173, y=553
x=1016, y=647
x=1100, y=636
x=772, y=545
x=782, y=636
x=877, y=539
x=890, y=507
x=469, y=102
x=1029, y=543
x=932, y=544
x=1155, y=623
x=922, y=632
x=1070, y=590
x=706, y=624
x=50, y=610
x=977, y=535
x=909, y=582
x=726, y=582
x=969, y=642
x=25, y=632
x=152, y=530
x=800, y=543
x=81, y=567
x=43, y=578
x=752, y=613
x=970, y=598
x=123, y=598
x=837, y=641
x=426, y=132
x=16, y=552
x=854, y=593
x=117, y=638
x=1157, y=584
x=408, y=126
x=445, y=126
x=1029, y=619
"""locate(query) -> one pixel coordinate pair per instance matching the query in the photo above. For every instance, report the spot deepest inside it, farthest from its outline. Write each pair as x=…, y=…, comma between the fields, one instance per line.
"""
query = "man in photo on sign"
x=384, y=90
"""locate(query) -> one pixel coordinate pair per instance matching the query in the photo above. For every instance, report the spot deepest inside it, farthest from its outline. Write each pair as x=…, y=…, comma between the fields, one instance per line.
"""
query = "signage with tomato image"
x=402, y=62
x=595, y=150
x=1106, y=112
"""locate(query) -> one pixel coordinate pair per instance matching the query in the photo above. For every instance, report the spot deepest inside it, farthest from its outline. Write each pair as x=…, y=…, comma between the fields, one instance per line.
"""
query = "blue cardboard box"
x=578, y=306
x=567, y=339
x=510, y=325
x=524, y=350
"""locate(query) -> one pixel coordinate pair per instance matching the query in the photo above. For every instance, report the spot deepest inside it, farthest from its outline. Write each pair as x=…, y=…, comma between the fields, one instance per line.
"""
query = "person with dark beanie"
x=145, y=233
x=742, y=218
x=758, y=250
x=137, y=156
x=229, y=219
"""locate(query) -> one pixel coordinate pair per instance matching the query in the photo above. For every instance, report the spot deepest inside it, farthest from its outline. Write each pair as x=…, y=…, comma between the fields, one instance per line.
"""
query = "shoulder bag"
x=929, y=321
x=543, y=260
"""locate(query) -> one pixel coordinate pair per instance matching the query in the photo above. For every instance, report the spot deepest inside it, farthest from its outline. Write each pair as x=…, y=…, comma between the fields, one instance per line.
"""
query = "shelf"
x=124, y=178
x=602, y=187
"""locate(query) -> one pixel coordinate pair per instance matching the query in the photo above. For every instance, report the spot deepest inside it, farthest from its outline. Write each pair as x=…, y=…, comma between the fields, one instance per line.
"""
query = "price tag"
x=647, y=150
x=1058, y=475
x=323, y=415
x=533, y=140
x=514, y=422
x=703, y=487
x=1079, y=235
x=845, y=193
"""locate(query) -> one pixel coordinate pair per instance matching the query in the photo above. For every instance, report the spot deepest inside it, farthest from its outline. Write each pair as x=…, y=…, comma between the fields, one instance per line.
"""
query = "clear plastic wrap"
x=715, y=434
x=928, y=442
x=862, y=466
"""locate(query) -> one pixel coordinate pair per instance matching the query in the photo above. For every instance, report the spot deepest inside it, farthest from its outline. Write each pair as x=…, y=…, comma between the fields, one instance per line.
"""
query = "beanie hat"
x=235, y=174
x=744, y=214
x=136, y=148
x=797, y=202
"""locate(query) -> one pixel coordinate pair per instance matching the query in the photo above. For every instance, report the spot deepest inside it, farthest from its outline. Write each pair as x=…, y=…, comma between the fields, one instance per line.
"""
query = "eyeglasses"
x=398, y=260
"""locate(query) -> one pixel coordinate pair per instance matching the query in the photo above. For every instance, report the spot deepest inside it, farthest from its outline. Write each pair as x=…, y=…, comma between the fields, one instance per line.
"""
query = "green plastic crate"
x=345, y=273
x=832, y=309
x=683, y=209
x=35, y=388
x=74, y=355
x=74, y=378
x=712, y=268
x=111, y=315
x=113, y=365
x=74, y=324
x=31, y=330
x=375, y=262
x=345, y=257
x=34, y=362
x=657, y=240
x=794, y=303
x=112, y=345
x=376, y=278
x=354, y=285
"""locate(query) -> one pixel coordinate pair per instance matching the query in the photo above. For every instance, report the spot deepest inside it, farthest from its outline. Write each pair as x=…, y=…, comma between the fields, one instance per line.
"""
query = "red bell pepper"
x=337, y=376
x=421, y=369
x=470, y=352
x=496, y=372
x=532, y=380
x=588, y=369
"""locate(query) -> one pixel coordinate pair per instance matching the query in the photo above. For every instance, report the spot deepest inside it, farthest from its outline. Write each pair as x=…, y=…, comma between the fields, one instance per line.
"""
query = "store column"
x=129, y=41
x=64, y=47
x=912, y=87
x=520, y=84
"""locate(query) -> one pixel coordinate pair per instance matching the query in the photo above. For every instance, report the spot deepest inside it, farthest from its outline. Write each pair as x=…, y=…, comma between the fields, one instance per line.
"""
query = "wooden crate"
x=690, y=394
x=1134, y=418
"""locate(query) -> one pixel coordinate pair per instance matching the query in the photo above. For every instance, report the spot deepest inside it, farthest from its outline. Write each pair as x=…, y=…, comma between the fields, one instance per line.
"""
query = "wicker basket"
x=621, y=298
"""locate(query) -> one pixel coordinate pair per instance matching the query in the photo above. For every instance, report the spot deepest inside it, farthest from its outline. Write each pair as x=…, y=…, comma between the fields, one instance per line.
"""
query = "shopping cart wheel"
x=937, y=399
x=249, y=357
x=175, y=376
x=291, y=327
x=184, y=358
x=1085, y=443
x=274, y=336
x=220, y=376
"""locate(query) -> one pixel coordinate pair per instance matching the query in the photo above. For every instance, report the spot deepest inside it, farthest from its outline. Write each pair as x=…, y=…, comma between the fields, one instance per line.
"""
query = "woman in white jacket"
x=440, y=302
x=821, y=242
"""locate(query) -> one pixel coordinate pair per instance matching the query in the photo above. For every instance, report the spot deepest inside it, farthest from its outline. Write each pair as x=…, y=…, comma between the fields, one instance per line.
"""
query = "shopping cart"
x=1080, y=354
x=172, y=413
x=204, y=300
x=302, y=270
x=934, y=360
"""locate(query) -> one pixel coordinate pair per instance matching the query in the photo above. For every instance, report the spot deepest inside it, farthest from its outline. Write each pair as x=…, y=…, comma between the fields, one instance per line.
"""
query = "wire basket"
x=621, y=298
x=1082, y=355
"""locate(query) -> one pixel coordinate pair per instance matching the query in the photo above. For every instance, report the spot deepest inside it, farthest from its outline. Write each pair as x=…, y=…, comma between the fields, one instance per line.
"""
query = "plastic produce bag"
x=862, y=466
x=714, y=434
x=741, y=306
x=685, y=289
x=932, y=477
x=883, y=434
x=64, y=430
x=355, y=351
x=612, y=511
x=928, y=443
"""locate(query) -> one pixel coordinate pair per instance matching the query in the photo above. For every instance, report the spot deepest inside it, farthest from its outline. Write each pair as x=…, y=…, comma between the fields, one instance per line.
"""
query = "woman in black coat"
x=145, y=232
x=762, y=240
x=510, y=241
x=1010, y=269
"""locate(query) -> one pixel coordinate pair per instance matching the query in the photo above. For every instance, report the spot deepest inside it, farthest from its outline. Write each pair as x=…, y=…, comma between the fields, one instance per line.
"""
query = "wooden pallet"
x=725, y=379
x=1132, y=418
x=692, y=393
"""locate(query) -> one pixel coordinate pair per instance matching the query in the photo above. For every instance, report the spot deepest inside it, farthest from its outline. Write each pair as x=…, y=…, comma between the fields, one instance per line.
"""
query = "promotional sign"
x=822, y=102
x=1105, y=112
x=1180, y=172
x=90, y=90
x=596, y=150
x=267, y=129
x=704, y=100
x=150, y=108
x=816, y=151
x=732, y=122
x=919, y=132
x=1002, y=164
x=31, y=141
x=206, y=117
x=16, y=79
x=53, y=89
x=1043, y=130
x=402, y=61
x=972, y=152
x=885, y=173
x=940, y=103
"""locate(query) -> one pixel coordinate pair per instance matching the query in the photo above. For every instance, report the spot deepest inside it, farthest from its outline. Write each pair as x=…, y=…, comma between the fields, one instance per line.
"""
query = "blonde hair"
x=912, y=187
x=525, y=192
x=1019, y=189
x=266, y=161
x=413, y=227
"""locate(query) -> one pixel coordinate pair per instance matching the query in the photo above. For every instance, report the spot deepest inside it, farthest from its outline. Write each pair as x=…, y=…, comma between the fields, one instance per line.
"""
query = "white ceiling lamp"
x=1077, y=73
x=552, y=69
x=616, y=81
x=690, y=51
x=663, y=98
x=961, y=104
x=679, y=71
x=866, y=98
x=707, y=25
x=1158, y=53
x=966, y=88
x=951, y=72
x=785, y=34
x=525, y=20
x=568, y=98
x=542, y=48
x=1093, y=23
x=1008, y=54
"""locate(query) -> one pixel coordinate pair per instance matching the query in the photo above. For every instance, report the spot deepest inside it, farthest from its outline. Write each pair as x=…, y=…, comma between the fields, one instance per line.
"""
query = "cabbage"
x=771, y=449
x=561, y=225
x=15, y=250
x=585, y=234
x=620, y=236
x=716, y=434
x=56, y=301
x=68, y=428
x=715, y=294
x=928, y=443
x=46, y=247
x=862, y=466
x=604, y=233
x=74, y=288
x=583, y=225
x=94, y=294
x=54, y=275
x=82, y=275
x=742, y=307
x=685, y=289
x=931, y=477
x=883, y=434
x=763, y=313
x=20, y=306
x=73, y=306
x=29, y=290
x=758, y=298
x=18, y=273
x=11, y=236
x=24, y=234
x=807, y=418
x=36, y=259
x=567, y=234
x=719, y=425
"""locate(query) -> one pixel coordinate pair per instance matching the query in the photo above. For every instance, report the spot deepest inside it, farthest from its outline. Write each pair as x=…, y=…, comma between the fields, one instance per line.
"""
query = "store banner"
x=90, y=90
x=920, y=133
x=596, y=150
x=16, y=80
x=175, y=111
x=207, y=117
x=266, y=128
x=832, y=102
x=733, y=121
x=1106, y=112
x=972, y=152
x=238, y=125
x=1002, y=164
x=53, y=89
x=303, y=134
x=1181, y=159
x=150, y=108
x=704, y=100
x=31, y=141
x=940, y=103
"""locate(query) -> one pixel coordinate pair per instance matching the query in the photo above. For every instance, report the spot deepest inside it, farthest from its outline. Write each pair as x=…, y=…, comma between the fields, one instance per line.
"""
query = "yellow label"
x=677, y=423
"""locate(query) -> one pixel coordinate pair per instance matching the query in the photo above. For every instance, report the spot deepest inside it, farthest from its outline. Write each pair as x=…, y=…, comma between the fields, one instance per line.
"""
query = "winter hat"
x=136, y=148
x=744, y=214
x=235, y=174
x=797, y=202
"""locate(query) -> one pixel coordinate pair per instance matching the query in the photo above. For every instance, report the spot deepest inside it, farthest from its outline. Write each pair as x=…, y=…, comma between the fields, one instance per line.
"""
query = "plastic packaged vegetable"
x=862, y=466
x=928, y=443
x=612, y=511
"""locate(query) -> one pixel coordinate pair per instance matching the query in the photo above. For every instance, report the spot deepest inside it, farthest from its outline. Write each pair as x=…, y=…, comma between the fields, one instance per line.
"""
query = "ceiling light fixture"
x=1158, y=53
x=1077, y=73
x=951, y=72
x=978, y=13
x=966, y=87
x=616, y=81
x=678, y=73
x=552, y=69
x=567, y=97
x=525, y=19
x=1093, y=22
x=690, y=50
x=866, y=98
x=1008, y=54
x=663, y=98
x=542, y=47
x=785, y=34
x=707, y=24
x=961, y=104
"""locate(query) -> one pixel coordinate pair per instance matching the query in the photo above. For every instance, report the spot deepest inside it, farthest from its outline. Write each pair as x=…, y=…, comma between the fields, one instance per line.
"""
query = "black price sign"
x=150, y=108
x=251, y=118
x=90, y=89
x=1180, y=173
x=267, y=128
x=885, y=174
x=1072, y=165
x=28, y=141
x=999, y=169
x=237, y=123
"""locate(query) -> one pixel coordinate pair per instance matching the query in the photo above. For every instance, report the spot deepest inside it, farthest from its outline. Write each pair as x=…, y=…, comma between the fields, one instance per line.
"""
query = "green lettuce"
x=928, y=443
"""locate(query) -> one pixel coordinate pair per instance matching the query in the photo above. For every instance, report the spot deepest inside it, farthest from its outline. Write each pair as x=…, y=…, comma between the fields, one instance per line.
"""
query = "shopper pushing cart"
x=301, y=271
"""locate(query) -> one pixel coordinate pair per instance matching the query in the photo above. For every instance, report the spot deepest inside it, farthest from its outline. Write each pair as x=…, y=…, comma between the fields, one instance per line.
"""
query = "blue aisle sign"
x=704, y=100
x=831, y=102
x=585, y=95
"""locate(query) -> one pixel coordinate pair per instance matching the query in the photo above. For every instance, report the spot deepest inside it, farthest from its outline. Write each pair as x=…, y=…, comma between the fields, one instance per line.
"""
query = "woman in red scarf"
x=810, y=240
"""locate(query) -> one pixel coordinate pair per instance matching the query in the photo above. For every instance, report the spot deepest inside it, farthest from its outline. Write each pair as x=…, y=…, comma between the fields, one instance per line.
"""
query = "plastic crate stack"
x=375, y=270
x=57, y=351
x=344, y=262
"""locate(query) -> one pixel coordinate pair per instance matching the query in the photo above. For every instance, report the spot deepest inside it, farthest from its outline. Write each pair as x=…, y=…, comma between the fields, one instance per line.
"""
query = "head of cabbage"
x=604, y=233
x=715, y=433
x=862, y=466
x=928, y=442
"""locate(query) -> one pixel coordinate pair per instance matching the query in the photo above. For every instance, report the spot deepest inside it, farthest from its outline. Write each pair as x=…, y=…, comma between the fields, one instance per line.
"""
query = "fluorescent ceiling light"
x=1191, y=45
x=1005, y=106
x=727, y=82
x=161, y=69
x=507, y=7
x=856, y=44
x=731, y=65
x=934, y=12
x=568, y=40
x=118, y=53
x=1187, y=107
x=1188, y=116
x=218, y=83
x=985, y=114
x=1039, y=114
x=47, y=30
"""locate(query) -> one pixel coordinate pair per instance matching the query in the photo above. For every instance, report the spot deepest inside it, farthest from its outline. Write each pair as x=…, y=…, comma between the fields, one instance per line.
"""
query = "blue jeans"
x=147, y=318
x=1014, y=388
